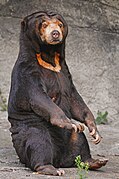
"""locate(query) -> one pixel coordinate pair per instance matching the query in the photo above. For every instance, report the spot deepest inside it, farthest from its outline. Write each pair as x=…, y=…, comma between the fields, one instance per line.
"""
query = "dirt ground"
x=10, y=167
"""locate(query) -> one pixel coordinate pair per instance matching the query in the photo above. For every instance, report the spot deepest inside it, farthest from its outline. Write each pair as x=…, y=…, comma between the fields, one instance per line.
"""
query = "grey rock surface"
x=92, y=47
x=92, y=53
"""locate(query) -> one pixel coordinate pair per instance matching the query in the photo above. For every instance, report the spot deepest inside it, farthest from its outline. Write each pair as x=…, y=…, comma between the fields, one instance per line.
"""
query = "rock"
x=92, y=47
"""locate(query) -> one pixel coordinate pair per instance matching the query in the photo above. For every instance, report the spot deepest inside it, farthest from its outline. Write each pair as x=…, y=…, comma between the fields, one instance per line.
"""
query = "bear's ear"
x=24, y=24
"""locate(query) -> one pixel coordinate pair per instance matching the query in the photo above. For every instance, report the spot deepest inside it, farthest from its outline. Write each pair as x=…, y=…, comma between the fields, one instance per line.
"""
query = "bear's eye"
x=44, y=25
x=60, y=25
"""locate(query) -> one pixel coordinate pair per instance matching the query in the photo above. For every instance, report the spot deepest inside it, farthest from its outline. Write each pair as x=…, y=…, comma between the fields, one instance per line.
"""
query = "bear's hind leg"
x=78, y=145
x=49, y=170
x=34, y=148
x=95, y=164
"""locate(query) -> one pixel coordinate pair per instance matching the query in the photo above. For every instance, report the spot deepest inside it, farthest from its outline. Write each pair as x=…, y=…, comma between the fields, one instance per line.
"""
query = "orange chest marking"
x=46, y=65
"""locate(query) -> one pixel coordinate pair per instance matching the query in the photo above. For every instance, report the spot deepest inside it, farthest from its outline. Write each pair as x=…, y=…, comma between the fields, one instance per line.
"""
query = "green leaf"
x=101, y=117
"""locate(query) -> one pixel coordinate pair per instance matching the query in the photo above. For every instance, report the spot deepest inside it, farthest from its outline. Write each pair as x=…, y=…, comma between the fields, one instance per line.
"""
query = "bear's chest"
x=56, y=84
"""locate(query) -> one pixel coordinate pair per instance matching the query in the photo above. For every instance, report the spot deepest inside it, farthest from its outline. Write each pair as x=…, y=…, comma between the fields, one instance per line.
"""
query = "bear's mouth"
x=55, y=41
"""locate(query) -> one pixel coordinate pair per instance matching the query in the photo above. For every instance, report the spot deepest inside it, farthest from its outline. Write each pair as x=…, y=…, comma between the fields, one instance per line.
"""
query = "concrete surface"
x=11, y=168
x=92, y=53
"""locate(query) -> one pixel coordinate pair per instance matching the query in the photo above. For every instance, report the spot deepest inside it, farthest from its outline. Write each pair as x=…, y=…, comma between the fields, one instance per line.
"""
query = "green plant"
x=82, y=168
x=101, y=117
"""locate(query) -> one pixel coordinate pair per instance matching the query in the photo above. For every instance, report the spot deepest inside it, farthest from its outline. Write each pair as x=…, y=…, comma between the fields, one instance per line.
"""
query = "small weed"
x=82, y=168
x=102, y=117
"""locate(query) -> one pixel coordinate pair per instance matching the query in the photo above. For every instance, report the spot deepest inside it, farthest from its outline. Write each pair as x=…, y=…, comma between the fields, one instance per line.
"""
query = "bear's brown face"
x=51, y=31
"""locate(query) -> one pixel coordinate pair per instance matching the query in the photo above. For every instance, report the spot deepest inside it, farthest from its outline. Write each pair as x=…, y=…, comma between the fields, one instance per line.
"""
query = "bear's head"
x=45, y=28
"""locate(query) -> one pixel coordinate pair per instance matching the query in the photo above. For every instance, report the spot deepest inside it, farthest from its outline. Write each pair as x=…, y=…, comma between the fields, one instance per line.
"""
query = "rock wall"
x=92, y=48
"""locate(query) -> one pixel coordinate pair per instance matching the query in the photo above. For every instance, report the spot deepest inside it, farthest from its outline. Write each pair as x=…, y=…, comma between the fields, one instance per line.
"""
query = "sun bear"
x=43, y=100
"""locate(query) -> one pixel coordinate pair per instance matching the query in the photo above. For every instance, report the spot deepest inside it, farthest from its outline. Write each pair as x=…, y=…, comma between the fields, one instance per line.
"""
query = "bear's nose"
x=55, y=34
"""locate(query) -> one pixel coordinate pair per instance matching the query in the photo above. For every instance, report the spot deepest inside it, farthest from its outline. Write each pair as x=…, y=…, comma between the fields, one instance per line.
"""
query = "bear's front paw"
x=95, y=134
x=93, y=131
x=80, y=127
x=64, y=122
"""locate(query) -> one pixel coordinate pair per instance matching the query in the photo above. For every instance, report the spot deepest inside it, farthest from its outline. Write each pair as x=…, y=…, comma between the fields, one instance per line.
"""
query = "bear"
x=43, y=101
